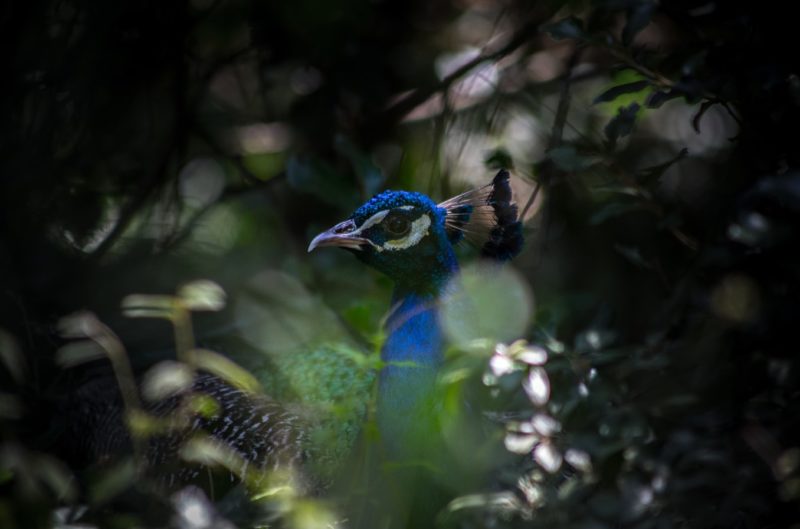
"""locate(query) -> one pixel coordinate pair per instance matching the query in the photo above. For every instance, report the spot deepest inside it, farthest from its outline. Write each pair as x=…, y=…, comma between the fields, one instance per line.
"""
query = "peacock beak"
x=345, y=235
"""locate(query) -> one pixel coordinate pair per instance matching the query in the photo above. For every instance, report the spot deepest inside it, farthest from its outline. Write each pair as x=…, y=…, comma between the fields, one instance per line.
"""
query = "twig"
x=405, y=105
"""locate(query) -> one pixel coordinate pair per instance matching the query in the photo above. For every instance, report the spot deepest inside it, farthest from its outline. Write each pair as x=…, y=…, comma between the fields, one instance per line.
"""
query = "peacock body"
x=318, y=399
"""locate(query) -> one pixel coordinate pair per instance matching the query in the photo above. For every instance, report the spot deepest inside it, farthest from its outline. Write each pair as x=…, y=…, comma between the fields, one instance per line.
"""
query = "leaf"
x=697, y=117
x=202, y=295
x=227, y=369
x=658, y=98
x=80, y=352
x=11, y=357
x=166, y=379
x=568, y=159
x=652, y=174
x=498, y=159
x=567, y=28
x=638, y=18
x=622, y=124
x=614, y=92
x=632, y=254
x=612, y=210
x=148, y=306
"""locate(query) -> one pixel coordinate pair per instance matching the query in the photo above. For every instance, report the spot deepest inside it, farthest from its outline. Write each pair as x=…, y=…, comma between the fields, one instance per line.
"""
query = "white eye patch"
x=419, y=229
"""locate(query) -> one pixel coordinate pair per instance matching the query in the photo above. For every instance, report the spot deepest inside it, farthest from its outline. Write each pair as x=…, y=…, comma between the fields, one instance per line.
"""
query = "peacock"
x=409, y=238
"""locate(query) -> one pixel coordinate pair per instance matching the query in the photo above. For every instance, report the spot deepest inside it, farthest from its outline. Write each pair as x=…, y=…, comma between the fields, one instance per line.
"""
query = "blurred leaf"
x=612, y=210
x=264, y=166
x=227, y=369
x=499, y=159
x=82, y=324
x=614, y=92
x=142, y=424
x=148, y=306
x=699, y=115
x=203, y=405
x=166, y=379
x=622, y=124
x=634, y=255
x=652, y=175
x=537, y=386
x=638, y=17
x=112, y=481
x=55, y=474
x=79, y=352
x=568, y=159
x=567, y=28
x=202, y=295
x=485, y=302
x=11, y=357
x=659, y=97
x=10, y=406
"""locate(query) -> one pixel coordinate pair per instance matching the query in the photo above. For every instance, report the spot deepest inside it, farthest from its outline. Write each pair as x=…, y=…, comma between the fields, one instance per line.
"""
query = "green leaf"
x=226, y=369
x=614, y=92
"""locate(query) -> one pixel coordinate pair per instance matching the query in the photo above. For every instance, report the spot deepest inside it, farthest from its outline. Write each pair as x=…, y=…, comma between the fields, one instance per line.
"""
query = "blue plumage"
x=410, y=238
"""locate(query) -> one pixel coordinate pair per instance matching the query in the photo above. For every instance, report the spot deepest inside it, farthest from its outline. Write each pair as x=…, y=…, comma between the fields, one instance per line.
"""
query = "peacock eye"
x=397, y=225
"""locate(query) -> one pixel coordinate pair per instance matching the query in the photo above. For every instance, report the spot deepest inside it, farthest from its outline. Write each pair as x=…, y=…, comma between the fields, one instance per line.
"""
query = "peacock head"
x=410, y=238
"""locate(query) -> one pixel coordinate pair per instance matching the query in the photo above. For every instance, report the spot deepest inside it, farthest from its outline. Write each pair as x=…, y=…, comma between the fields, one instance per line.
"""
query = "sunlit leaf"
x=548, y=457
x=226, y=369
x=545, y=425
x=614, y=92
x=202, y=295
x=148, y=306
x=532, y=355
x=578, y=459
x=486, y=302
x=79, y=352
x=81, y=324
x=166, y=379
x=537, y=386
x=520, y=443
x=142, y=424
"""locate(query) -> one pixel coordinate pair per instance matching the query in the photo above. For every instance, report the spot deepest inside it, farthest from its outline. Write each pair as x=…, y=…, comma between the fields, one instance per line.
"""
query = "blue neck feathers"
x=413, y=352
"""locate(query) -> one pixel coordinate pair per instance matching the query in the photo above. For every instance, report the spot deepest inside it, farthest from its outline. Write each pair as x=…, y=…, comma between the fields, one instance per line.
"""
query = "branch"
x=400, y=108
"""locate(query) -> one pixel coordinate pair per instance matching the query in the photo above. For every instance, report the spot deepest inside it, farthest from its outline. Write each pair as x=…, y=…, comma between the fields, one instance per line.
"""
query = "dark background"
x=147, y=144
